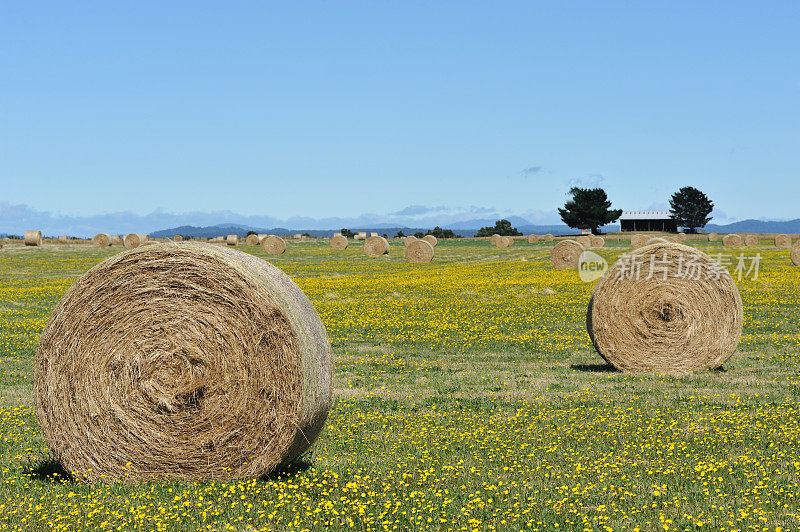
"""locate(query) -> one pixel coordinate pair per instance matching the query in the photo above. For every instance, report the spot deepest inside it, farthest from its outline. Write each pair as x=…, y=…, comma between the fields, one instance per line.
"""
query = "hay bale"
x=750, y=240
x=101, y=239
x=177, y=238
x=598, y=241
x=796, y=254
x=377, y=245
x=245, y=387
x=33, y=238
x=547, y=238
x=273, y=245
x=657, y=240
x=713, y=237
x=584, y=241
x=507, y=242
x=232, y=240
x=134, y=240
x=663, y=320
x=532, y=239
x=419, y=250
x=252, y=240
x=566, y=254
x=732, y=240
x=783, y=241
x=680, y=238
x=638, y=241
x=430, y=239
x=63, y=239
x=116, y=240
x=410, y=238
x=339, y=242
x=496, y=240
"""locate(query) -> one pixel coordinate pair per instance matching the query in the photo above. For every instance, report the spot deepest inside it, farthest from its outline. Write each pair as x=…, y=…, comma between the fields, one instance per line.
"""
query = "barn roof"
x=645, y=215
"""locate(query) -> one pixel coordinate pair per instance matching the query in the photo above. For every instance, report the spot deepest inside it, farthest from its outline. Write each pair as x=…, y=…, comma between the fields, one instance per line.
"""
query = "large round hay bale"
x=532, y=239
x=101, y=239
x=783, y=241
x=713, y=237
x=508, y=241
x=377, y=245
x=243, y=388
x=598, y=241
x=63, y=239
x=134, y=240
x=419, y=250
x=547, y=238
x=796, y=254
x=638, y=241
x=274, y=245
x=673, y=319
x=177, y=238
x=339, y=242
x=33, y=238
x=430, y=239
x=408, y=239
x=116, y=240
x=496, y=240
x=750, y=240
x=732, y=240
x=252, y=240
x=566, y=254
x=232, y=240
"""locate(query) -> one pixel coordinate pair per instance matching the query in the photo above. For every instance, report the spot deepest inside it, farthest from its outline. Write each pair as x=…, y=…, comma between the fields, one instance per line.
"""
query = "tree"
x=589, y=208
x=348, y=233
x=690, y=208
x=399, y=234
x=501, y=227
x=438, y=232
x=251, y=233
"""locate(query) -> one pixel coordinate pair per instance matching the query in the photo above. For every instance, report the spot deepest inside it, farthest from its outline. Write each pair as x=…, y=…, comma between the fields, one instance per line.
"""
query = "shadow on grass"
x=287, y=472
x=50, y=470
x=595, y=368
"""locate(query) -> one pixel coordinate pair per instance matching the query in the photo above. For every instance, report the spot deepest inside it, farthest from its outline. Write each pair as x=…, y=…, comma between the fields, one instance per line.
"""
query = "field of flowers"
x=468, y=397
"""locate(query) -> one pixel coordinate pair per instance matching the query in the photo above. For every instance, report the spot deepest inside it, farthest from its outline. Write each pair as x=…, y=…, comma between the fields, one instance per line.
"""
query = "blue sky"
x=438, y=110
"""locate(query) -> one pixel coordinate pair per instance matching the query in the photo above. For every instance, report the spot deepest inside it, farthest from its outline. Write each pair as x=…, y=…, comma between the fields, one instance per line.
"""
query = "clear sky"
x=344, y=108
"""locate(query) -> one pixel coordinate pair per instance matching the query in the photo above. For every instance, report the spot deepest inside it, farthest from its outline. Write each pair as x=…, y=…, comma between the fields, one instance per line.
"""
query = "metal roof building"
x=648, y=221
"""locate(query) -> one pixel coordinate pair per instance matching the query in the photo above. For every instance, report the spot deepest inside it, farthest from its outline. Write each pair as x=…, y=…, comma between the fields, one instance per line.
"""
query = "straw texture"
x=750, y=240
x=430, y=239
x=565, y=255
x=339, y=242
x=134, y=240
x=638, y=241
x=713, y=237
x=796, y=254
x=598, y=241
x=232, y=240
x=532, y=239
x=376, y=245
x=682, y=312
x=783, y=241
x=408, y=239
x=732, y=241
x=273, y=245
x=185, y=361
x=252, y=240
x=496, y=240
x=419, y=251
x=102, y=240
x=33, y=238
x=547, y=238
x=584, y=241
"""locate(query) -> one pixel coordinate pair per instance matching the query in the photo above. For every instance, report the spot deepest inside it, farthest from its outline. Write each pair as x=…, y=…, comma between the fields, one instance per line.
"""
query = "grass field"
x=467, y=396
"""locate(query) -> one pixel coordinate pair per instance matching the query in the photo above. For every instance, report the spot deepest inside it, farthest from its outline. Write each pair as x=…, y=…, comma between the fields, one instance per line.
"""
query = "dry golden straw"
x=33, y=238
x=783, y=241
x=419, y=251
x=102, y=240
x=656, y=240
x=377, y=245
x=134, y=240
x=680, y=238
x=430, y=239
x=598, y=241
x=547, y=238
x=732, y=241
x=508, y=241
x=116, y=240
x=63, y=239
x=273, y=245
x=532, y=239
x=584, y=241
x=638, y=241
x=796, y=254
x=182, y=361
x=408, y=239
x=177, y=238
x=750, y=240
x=713, y=237
x=566, y=254
x=339, y=242
x=668, y=317
x=232, y=240
x=496, y=240
x=252, y=240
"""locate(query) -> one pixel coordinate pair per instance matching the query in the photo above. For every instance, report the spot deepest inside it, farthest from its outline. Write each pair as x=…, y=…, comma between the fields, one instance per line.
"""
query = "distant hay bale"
x=252, y=240
x=63, y=239
x=273, y=245
x=547, y=238
x=598, y=241
x=419, y=250
x=713, y=237
x=496, y=240
x=116, y=240
x=377, y=245
x=584, y=241
x=101, y=239
x=532, y=239
x=232, y=240
x=638, y=241
x=339, y=242
x=408, y=239
x=783, y=241
x=750, y=240
x=431, y=240
x=680, y=238
x=566, y=254
x=656, y=240
x=177, y=238
x=242, y=388
x=796, y=254
x=506, y=242
x=134, y=240
x=33, y=238
x=732, y=240
x=670, y=319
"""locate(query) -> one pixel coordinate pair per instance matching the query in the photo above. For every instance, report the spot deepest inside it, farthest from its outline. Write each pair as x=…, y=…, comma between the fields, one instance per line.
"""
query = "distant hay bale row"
x=532, y=239
x=377, y=245
x=33, y=238
x=273, y=245
x=566, y=255
x=732, y=240
x=420, y=250
x=63, y=239
x=664, y=320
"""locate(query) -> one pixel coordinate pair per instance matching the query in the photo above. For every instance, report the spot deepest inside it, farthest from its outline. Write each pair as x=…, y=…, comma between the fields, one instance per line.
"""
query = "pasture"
x=467, y=396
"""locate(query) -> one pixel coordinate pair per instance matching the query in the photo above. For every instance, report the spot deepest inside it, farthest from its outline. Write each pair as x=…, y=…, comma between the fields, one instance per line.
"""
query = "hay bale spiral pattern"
x=273, y=245
x=252, y=240
x=339, y=242
x=598, y=241
x=102, y=240
x=33, y=238
x=419, y=251
x=377, y=245
x=566, y=254
x=430, y=239
x=732, y=241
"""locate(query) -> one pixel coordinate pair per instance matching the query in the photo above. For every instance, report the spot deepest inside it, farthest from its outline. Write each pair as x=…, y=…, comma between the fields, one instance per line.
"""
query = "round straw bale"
x=532, y=239
x=713, y=237
x=431, y=240
x=496, y=240
x=783, y=241
x=750, y=240
x=339, y=242
x=732, y=240
x=547, y=238
x=33, y=238
x=177, y=238
x=116, y=240
x=566, y=254
x=598, y=241
x=409, y=239
x=102, y=240
x=377, y=245
x=244, y=388
x=508, y=241
x=584, y=241
x=232, y=240
x=680, y=238
x=419, y=250
x=134, y=240
x=252, y=240
x=638, y=241
x=274, y=245
x=63, y=239
x=796, y=253
x=671, y=319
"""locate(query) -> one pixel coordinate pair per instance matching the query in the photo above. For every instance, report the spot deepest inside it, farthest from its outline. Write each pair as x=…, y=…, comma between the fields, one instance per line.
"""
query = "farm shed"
x=648, y=221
